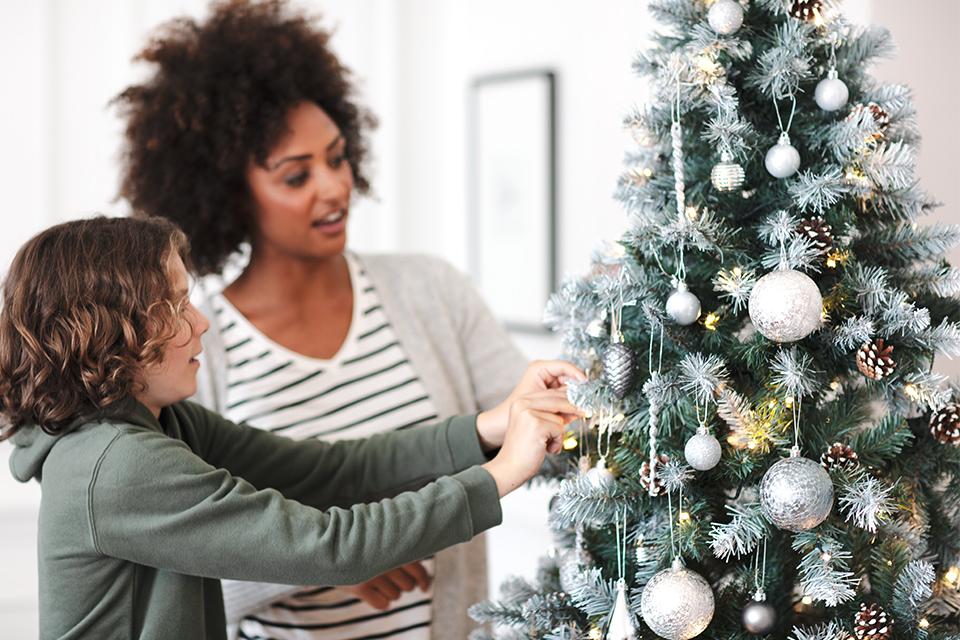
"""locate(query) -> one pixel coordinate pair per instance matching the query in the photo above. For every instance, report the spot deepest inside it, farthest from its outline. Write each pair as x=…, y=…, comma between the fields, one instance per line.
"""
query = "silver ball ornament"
x=572, y=565
x=725, y=17
x=759, y=618
x=785, y=305
x=831, y=92
x=782, y=160
x=599, y=476
x=796, y=494
x=682, y=306
x=702, y=451
x=677, y=603
x=727, y=175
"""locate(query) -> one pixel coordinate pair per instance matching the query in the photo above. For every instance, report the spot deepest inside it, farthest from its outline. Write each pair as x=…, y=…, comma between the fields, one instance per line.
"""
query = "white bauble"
x=782, y=160
x=786, y=305
x=702, y=451
x=682, y=306
x=759, y=618
x=599, y=476
x=677, y=603
x=725, y=17
x=831, y=92
x=796, y=493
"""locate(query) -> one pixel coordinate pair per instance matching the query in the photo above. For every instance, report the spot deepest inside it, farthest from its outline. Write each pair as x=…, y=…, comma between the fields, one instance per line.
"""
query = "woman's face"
x=174, y=378
x=302, y=192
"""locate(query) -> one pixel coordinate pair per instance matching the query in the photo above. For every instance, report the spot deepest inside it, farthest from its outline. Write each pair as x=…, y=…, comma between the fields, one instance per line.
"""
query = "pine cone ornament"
x=618, y=367
x=818, y=232
x=872, y=623
x=874, y=360
x=881, y=117
x=658, y=480
x=806, y=9
x=945, y=425
x=839, y=455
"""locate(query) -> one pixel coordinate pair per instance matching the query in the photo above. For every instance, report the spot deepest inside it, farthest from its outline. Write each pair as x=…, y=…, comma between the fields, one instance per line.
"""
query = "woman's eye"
x=297, y=180
x=338, y=160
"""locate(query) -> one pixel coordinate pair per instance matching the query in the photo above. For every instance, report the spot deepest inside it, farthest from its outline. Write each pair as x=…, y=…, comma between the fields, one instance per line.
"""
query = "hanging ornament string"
x=676, y=134
x=795, y=407
x=674, y=546
x=621, y=543
x=793, y=110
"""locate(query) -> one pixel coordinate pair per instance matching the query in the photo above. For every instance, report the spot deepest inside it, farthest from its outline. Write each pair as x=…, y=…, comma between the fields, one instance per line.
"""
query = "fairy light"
x=692, y=213
x=596, y=633
x=684, y=517
x=910, y=390
x=570, y=443
x=807, y=600
x=826, y=556
x=835, y=384
x=952, y=577
x=788, y=401
x=710, y=321
x=837, y=257
x=924, y=623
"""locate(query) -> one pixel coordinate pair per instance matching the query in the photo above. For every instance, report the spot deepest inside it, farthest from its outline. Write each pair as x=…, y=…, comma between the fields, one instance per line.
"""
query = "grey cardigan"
x=467, y=363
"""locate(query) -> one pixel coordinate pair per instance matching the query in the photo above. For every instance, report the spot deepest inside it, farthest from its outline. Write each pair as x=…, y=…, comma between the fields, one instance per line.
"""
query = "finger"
x=386, y=587
x=553, y=373
x=373, y=597
x=553, y=402
x=419, y=574
x=546, y=418
x=401, y=579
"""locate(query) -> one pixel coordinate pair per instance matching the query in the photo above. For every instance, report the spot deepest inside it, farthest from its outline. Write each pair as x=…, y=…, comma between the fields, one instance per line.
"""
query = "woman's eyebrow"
x=304, y=156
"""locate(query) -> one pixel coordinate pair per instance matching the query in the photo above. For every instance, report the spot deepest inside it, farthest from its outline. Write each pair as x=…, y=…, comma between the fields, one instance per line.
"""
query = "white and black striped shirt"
x=368, y=387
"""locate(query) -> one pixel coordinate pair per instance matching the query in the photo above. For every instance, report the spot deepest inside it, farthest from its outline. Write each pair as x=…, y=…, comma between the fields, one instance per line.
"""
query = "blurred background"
x=415, y=61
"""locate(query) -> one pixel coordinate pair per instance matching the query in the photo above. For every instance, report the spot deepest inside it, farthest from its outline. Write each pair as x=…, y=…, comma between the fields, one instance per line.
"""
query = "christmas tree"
x=768, y=451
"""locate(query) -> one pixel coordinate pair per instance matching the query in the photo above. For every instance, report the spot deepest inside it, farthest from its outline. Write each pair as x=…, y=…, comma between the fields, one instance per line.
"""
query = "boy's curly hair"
x=86, y=305
x=219, y=98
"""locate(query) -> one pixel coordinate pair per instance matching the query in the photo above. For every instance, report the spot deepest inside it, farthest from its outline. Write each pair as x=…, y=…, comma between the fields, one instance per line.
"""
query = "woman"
x=247, y=133
x=147, y=500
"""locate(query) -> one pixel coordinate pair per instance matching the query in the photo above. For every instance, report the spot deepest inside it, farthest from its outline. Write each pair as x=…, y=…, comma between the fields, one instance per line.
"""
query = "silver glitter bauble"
x=727, y=175
x=831, y=93
x=796, y=494
x=677, y=603
x=759, y=618
x=782, y=160
x=725, y=17
x=599, y=476
x=682, y=306
x=618, y=368
x=786, y=305
x=702, y=450
x=621, y=620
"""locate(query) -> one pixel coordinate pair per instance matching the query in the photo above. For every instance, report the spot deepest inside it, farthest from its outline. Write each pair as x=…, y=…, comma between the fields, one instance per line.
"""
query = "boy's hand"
x=537, y=424
x=540, y=375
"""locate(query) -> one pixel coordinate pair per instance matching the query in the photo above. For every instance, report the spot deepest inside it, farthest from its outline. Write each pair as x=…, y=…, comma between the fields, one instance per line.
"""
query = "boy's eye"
x=297, y=179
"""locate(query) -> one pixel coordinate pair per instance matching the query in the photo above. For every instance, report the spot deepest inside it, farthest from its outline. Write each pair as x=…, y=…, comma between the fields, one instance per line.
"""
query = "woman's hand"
x=540, y=375
x=384, y=589
x=536, y=427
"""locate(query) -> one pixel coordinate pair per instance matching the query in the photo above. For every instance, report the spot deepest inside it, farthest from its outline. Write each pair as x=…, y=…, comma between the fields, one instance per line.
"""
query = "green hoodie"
x=139, y=517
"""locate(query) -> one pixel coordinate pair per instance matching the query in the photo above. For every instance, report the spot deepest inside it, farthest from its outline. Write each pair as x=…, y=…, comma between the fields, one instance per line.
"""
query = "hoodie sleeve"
x=323, y=474
x=154, y=502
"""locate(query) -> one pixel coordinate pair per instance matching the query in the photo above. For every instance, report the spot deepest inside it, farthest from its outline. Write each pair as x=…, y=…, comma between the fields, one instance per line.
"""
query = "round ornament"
x=677, y=603
x=725, y=17
x=759, y=617
x=702, y=451
x=782, y=160
x=831, y=93
x=796, y=493
x=785, y=305
x=572, y=565
x=945, y=425
x=618, y=368
x=599, y=476
x=727, y=175
x=682, y=306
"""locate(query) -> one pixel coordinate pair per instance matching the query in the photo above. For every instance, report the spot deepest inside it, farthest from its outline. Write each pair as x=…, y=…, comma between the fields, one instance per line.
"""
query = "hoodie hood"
x=31, y=445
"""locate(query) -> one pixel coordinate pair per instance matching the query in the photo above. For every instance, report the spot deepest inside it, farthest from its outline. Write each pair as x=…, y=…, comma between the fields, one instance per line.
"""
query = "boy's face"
x=174, y=378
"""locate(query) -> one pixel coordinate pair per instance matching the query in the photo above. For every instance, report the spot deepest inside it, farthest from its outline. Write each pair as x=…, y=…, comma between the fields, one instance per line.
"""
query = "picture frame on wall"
x=513, y=194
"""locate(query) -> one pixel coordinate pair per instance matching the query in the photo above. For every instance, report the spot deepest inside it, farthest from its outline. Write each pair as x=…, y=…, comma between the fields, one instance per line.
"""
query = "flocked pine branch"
x=735, y=286
x=740, y=536
x=903, y=244
x=866, y=502
x=914, y=587
x=825, y=574
x=818, y=192
x=829, y=631
x=944, y=338
x=853, y=332
x=702, y=375
x=794, y=373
